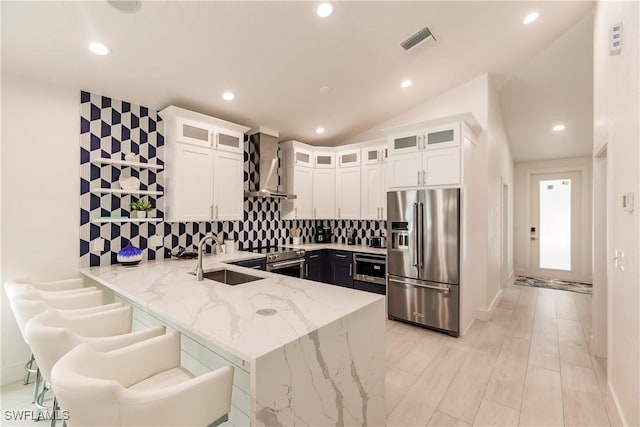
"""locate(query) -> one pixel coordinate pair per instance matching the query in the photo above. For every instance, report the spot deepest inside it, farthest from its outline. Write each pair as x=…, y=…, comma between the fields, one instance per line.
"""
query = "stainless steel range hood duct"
x=266, y=145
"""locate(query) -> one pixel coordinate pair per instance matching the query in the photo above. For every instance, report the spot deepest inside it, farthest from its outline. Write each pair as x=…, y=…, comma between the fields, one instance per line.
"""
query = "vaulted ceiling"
x=275, y=56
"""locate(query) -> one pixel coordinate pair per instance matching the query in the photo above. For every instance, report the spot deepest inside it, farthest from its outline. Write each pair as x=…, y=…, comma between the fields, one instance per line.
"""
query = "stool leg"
x=37, y=386
x=28, y=368
x=54, y=416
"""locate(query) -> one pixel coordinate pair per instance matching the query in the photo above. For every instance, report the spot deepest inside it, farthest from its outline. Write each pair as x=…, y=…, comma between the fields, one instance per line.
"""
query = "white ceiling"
x=554, y=86
x=276, y=55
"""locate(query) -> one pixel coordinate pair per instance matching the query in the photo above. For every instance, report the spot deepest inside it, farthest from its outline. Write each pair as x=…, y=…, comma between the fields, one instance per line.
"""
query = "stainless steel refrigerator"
x=423, y=253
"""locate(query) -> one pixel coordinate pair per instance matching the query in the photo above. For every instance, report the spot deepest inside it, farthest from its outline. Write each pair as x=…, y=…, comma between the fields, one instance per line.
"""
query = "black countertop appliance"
x=351, y=236
x=323, y=234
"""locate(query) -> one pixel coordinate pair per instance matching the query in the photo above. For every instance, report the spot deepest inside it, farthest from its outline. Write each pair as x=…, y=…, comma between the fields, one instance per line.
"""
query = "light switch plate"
x=155, y=241
x=97, y=245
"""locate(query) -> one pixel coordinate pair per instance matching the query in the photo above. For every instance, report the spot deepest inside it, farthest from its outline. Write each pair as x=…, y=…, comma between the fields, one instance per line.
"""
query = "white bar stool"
x=52, y=334
x=27, y=300
x=139, y=385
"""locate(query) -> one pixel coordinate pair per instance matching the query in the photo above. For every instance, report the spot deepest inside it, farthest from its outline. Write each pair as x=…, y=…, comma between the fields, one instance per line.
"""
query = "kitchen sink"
x=230, y=277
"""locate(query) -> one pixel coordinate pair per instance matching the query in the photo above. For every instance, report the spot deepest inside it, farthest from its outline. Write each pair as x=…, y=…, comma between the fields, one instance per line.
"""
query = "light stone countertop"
x=226, y=315
x=339, y=247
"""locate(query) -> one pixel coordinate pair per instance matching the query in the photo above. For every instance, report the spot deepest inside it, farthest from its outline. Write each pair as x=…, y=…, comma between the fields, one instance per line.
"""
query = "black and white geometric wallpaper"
x=110, y=128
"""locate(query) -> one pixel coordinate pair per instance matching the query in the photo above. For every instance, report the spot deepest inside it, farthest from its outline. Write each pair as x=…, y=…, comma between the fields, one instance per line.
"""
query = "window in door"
x=555, y=224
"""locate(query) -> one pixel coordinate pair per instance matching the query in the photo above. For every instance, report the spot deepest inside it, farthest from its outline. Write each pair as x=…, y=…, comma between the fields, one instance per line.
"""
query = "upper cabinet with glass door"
x=445, y=136
x=188, y=127
x=228, y=140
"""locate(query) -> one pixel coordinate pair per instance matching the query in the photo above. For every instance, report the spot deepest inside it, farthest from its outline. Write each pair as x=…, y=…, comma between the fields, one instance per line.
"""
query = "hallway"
x=530, y=365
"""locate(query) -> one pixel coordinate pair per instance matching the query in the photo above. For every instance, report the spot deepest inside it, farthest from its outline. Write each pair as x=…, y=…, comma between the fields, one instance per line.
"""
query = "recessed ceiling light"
x=530, y=18
x=98, y=48
x=406, y=83
x=324, y=89
x=228, y=96
x=320, y=130
x=324, y=10
x=128, y=6
x=558, y=128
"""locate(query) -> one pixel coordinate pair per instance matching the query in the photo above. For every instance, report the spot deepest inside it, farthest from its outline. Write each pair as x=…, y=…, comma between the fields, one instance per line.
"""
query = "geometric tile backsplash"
x=110, y=128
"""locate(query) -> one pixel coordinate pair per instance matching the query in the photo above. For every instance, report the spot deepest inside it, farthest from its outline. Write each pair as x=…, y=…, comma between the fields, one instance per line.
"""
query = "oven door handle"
x=283, y=264
x=370, y=260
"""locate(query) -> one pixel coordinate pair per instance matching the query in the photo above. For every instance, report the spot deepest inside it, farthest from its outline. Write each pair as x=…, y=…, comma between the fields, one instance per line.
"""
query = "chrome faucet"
x=210, y=236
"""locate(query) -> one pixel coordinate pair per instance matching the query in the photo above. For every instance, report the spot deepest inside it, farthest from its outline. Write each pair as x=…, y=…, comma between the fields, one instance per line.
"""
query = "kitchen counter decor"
x=129, y=255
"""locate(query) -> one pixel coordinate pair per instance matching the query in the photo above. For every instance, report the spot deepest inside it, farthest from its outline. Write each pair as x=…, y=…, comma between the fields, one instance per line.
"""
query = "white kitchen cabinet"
x=324, y=193
x=324, y=160
x=426, y=157
x=348, y=158
x=348, y=192
x=297, y=174
x=230, y=141
x=374, y=182
x=441, y=167
x=189, y=131
x=324, y=185
x=204, y=167
x=189, y=183
x=298, y=181
x=228, y=192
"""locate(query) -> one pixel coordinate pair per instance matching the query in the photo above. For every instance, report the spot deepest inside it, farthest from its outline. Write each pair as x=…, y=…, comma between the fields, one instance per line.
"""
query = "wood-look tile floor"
x=530, y=365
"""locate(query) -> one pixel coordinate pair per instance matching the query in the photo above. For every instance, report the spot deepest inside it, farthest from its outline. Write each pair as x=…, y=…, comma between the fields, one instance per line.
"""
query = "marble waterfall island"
x=315, y=359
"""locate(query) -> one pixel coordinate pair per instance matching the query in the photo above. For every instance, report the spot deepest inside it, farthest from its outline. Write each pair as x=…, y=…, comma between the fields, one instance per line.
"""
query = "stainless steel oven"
x=292, y=267
x=370, y=268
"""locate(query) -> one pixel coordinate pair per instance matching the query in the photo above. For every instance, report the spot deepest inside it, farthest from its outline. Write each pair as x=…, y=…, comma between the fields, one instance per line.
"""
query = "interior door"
x=556, y=220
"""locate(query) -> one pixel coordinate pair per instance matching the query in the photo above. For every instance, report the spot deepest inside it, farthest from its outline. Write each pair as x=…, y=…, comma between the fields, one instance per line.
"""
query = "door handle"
x=211, y=211
x=306, y=271
x=315, y=212
x=295, y=214
x=350, y=270
x=420, y=235
x=424, y=176
x=415, y=246
x=338, y=213
x=418, y=177
x=216, y=211
x=382, y=213
x=340, y=256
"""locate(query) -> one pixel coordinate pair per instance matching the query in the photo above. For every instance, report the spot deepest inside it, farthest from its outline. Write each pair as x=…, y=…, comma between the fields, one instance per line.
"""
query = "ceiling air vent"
x=417, y=38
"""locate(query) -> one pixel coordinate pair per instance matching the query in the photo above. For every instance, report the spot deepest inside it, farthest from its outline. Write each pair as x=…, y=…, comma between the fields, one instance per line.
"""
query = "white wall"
x=617, y=123
x=40, y=195
x=500, y=169
x=522, y=255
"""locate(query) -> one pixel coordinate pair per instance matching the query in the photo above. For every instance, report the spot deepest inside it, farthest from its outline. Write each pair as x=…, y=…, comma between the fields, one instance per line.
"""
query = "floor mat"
x=583, y=288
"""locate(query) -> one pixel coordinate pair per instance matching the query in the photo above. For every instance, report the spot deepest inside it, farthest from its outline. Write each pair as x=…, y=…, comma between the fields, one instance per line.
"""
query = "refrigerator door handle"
x=421, y=235
x=444, y=289
x=416, y=260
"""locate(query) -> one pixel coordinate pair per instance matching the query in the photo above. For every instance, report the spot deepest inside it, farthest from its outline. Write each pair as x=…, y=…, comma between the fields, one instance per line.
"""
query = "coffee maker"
x=323, y=233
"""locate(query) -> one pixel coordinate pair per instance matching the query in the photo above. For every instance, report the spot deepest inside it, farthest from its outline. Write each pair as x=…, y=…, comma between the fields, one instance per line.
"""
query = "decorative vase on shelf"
x=138, y=214
x=129, y=255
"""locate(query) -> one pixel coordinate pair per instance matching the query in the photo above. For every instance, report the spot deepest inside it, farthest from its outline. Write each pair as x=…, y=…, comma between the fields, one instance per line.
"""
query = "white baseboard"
x=486, y=313
x=467, y=328
x=12, y=373
x=616, y=415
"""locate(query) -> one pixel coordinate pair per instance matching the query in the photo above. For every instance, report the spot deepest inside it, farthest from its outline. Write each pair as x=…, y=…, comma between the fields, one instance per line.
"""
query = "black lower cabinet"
x=256, y=264
x=317, y=266
x=370, y=287
x=342, y=268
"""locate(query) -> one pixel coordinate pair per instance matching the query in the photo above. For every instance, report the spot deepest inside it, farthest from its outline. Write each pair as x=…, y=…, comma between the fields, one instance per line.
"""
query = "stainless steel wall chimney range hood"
x=266, y=144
